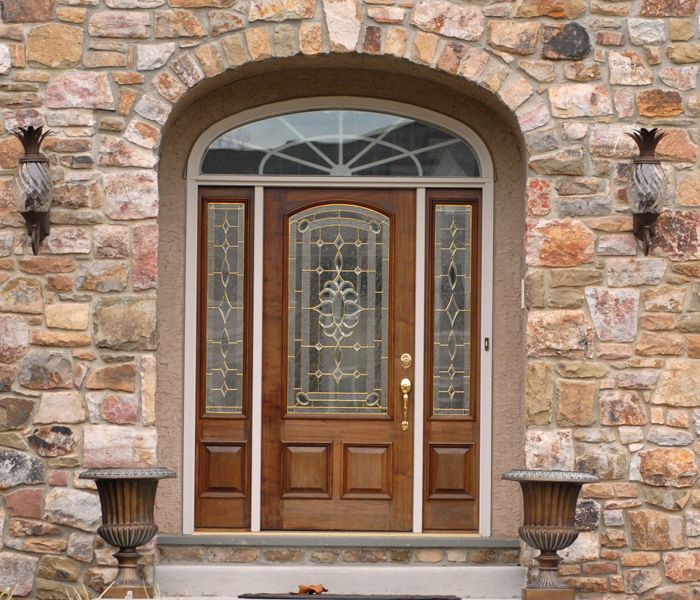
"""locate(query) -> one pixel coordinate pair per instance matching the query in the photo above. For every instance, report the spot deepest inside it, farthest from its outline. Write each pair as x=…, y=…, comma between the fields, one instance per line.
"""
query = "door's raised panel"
x=307, y=470
x=451, y=470
x=367, y=471
x=223, y=470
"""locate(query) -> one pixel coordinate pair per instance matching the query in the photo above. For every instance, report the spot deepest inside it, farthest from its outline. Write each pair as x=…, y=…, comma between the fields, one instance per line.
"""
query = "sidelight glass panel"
x=225, y=298
x=341, y=143
x=338, y=311
x=452, y=287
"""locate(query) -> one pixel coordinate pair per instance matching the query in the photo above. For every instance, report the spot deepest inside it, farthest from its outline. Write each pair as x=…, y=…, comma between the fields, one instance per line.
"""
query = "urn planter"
x=549, y=504
x=128, y=499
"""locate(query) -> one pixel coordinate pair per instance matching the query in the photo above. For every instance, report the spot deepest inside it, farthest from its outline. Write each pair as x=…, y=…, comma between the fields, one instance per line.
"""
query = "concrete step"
x=225, y=582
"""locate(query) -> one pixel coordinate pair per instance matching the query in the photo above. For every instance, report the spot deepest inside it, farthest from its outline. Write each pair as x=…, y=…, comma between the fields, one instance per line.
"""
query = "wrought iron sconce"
x=34, y=181
x=647, y=188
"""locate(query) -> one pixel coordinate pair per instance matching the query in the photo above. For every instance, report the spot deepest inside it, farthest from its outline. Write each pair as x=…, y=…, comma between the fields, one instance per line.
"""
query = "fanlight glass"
x=341, y=143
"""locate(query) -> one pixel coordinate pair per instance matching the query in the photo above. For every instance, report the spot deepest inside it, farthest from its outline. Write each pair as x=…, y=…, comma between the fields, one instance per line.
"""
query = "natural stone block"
x=619, y=407
x=549, y=450
x=666, y=344
x=19, y=468
x=659, y=103
x=22, y=295
x=646, y=31
x=46, y=369
x=148, y=389
x=14, y=338
x=59, y=568
x=116, y=152
x=80, y=89
x=654, y=530
x=567, y=161
x=281, y=10
x=682, y=566
x=56, y=46
x=132, y=195
x=680, y=78
x=669, y=499
x=623, y=272
x=679, y=384
x=667, y=8
x=68, y=240
x=513, y=36
x=17, y=572
x=119, y=446
x=60, y=407
x=638, y=581
x=575, y=403
x=678, y=146
x=538, y=393
x=664, y=299
x=177, y=24
x=669, y=436
x=580, y=100
x=627, y=68
x=15, y=412
x=68, y=315
x=126, y=323
x=343, y=20
x=677, y=235
x=559, y=243
x=565, y=42
x=614, y=313
x=557, y=9
x=234, y=555
x=120, y=409
x=120, y=377
x=559, y=333
x=466, y=22
x=102, y=276
x=120, y=24
x=74, y=508
x=145, y=256
x=606, y=461
x=665, y=467
x=52, y=440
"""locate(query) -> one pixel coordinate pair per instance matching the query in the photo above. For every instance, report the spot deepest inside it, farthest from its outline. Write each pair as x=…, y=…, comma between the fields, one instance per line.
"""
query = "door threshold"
x=322, y=539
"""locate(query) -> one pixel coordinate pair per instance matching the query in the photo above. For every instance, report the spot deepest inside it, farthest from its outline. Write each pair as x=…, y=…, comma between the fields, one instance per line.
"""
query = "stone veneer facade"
x=613, y=368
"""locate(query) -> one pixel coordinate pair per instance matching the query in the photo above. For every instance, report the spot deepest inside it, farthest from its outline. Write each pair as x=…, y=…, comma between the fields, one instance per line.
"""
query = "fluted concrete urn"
x=128, y=499
x=549, y=503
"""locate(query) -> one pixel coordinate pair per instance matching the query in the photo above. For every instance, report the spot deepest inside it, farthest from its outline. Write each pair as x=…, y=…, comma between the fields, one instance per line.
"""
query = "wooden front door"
x=339, y=298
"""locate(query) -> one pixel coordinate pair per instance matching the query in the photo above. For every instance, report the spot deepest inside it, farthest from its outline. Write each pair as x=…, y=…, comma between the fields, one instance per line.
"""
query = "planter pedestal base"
x=548, y=594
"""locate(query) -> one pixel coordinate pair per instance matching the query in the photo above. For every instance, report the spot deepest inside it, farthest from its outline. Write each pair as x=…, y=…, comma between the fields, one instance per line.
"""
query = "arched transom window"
x=341, y=143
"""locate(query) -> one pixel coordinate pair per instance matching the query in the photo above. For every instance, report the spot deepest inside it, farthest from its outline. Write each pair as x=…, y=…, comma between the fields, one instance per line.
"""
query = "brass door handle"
x=405, y=387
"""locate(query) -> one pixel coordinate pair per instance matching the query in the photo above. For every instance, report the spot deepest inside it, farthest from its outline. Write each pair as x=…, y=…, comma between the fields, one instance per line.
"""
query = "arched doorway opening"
x=453, y=454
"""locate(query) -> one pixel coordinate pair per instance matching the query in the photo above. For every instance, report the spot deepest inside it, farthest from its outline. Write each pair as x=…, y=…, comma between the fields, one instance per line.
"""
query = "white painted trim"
x=485, y=183
x=255, y=443
x=340, y=102
x=419, y=364
x=189, y=420
x=486, y=362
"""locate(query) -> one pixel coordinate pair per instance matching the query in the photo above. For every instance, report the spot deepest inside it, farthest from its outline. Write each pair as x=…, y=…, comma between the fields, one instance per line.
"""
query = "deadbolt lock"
x=406, y=360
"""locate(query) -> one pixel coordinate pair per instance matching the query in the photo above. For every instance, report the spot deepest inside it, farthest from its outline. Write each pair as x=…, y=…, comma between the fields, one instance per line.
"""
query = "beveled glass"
x=341, y=143
x=338, y=311
x=452, y=287
x=225, y=307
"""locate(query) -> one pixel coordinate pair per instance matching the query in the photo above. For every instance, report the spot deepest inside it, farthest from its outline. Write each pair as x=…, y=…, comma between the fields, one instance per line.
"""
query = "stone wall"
x=613, y=337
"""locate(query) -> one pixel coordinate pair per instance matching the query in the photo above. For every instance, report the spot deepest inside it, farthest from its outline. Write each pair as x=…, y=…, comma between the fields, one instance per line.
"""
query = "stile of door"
x=339, y=289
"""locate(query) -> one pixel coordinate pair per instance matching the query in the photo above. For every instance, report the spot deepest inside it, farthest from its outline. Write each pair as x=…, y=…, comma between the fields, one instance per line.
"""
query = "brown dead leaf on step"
x=310, y=590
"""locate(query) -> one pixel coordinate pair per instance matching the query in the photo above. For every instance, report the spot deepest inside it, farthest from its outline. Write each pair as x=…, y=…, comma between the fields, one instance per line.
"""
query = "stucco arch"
x=263, y=82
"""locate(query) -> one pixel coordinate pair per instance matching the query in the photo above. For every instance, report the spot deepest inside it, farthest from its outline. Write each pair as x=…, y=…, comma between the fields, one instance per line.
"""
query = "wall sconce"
x=647, y=188
x=34, y=181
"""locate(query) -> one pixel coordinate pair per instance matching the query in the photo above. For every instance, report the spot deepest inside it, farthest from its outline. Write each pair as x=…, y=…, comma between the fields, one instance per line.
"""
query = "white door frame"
x=195, y=179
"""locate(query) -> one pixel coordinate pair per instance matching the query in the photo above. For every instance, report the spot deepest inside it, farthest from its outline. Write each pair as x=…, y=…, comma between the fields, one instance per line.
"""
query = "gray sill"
x=335, y=540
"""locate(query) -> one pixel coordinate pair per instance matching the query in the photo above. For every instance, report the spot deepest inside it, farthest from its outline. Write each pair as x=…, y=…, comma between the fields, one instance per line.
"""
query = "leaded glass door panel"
x=338, y=313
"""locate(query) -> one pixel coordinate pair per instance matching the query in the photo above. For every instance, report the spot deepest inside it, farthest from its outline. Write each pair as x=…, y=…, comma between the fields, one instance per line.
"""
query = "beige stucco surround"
x=276, y=80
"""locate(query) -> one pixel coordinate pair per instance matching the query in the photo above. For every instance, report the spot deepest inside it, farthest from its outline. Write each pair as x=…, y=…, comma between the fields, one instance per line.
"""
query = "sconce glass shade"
x=647, y=189
x=34, y=182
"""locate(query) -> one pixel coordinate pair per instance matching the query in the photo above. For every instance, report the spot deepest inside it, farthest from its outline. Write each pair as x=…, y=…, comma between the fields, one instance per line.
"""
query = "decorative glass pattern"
x=225, y=299
x=452, y=309
x=338, y=311
x=341, y=143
